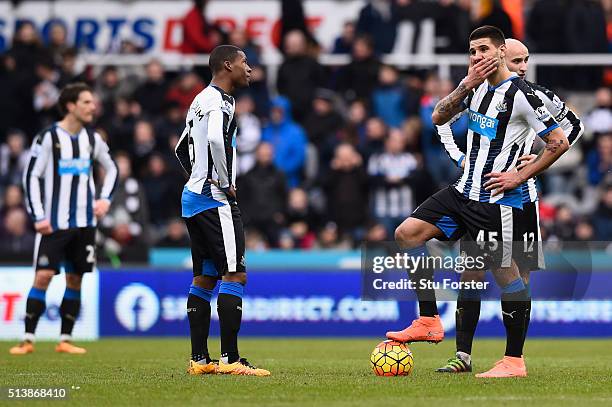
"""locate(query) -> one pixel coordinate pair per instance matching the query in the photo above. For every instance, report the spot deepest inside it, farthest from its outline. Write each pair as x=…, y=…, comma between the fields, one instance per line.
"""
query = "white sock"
x=224, y=359
x=466, y=357
x=64, y=337
x=28, y=337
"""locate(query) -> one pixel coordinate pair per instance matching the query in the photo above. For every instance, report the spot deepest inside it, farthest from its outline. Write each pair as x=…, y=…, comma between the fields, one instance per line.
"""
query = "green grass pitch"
x=310, y=372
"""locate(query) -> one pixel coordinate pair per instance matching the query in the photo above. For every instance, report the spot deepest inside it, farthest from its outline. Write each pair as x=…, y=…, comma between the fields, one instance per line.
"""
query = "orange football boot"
x=423, y=329
x=67, y=347
x=23, y=348
x=507, y=367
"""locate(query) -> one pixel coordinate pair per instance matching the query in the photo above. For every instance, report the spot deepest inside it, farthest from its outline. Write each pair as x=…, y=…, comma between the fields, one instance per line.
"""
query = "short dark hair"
x=220, y=54
x=70, y=94
x=488, y=31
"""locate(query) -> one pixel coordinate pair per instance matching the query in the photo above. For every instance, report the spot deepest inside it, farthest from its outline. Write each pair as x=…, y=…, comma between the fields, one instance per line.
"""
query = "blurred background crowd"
x=329, y=156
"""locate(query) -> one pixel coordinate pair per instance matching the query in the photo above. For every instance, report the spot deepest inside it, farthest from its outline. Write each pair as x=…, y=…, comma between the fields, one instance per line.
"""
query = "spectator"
x=151, y=93
x=584, y=231
x=496, y=16
x=443, y=170
x=452, y=19
x=376, y=233
x=346, y=189
x=293, y=19
x=13, y=158
x=602, y=219
x=376, y=133
x=127, y=221
x=358, y=79
x=564, y=226
x=288, y=140
x=119, y=124
x=109, y=87
x=330, y=238
x=250, y=133
x=144, y=145
x=344, y=43
x=547, y=31
x=263, y=195
x=11, y=100
x=377, y=20
x=185, y=90
x=599, y=161
x=57, y=42
x=392, y=199
x=170, y=125
x=17, y=237
x=68, y=71
x=390, y=98
x=323, y=121
x=240, y=38
x=299, y=74
x=586, y=29
x=46, y=93
x=13, y=199
x=199, y=36
x=599, y=119
x=300, y=210
x=162, y=191
x=175, y=235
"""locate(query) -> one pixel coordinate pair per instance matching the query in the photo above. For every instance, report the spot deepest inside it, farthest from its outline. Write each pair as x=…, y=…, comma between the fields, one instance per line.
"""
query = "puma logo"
x=191, y=310
x=510, y=314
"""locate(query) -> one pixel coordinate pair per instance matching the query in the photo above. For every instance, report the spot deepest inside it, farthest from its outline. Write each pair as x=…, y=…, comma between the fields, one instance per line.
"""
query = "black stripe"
x=575, y=121
x=229, y=149
x=503, y=118
x=513, y=150
x=90, y=193
x=74, y=187
x=38, y=140
x=482, y=109
x=57, y=151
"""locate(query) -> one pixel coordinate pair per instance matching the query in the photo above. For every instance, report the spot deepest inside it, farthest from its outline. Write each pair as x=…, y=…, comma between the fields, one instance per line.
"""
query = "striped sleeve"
x=111, y=179
x=531, y=107
x=445, y=132
x=35, y=169
x=567, y=119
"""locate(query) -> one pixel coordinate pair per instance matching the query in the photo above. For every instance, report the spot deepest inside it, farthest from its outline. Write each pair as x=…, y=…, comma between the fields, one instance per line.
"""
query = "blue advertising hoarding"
x=315, y=303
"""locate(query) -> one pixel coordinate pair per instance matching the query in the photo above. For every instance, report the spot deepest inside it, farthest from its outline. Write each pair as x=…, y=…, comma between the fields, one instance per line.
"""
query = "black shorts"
x=217, y=241
x=489, y=225
x=528, y=252
x=75, y=249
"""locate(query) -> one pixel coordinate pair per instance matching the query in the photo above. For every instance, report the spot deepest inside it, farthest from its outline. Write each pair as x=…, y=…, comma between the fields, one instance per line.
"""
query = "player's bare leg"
x=69, y=311
x=412, y=235
x=198, y=313
x=514, y=307
x=35, y=307
x=229, y=305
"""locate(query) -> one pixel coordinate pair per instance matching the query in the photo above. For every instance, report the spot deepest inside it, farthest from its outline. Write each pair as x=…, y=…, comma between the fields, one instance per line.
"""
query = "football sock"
x=198, y=313
x=466, y=319
x=425, y=296
x=527, y=311
x=229, y=307
x=69, y=311
x=35, y=306
x=514, y=306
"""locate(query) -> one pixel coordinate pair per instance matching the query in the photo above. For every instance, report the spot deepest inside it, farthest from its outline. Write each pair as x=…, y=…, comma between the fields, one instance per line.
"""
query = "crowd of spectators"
x=328, y=158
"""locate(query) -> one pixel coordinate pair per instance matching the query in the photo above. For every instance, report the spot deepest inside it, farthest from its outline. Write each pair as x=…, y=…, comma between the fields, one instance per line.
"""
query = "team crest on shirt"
x=227, y=107
x=542, y=114
x=502, y=106
x=43, y=261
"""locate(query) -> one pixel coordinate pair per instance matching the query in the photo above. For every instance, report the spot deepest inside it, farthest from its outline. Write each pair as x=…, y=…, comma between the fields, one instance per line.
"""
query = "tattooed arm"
x=556, y=145
x=452, y=104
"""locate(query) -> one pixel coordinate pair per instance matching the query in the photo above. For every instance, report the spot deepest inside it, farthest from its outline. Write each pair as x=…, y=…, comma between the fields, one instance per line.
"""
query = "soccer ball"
x=390, y=358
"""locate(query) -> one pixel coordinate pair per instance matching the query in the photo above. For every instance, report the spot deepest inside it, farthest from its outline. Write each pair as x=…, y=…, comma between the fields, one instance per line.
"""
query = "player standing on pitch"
x=502, y=111
x=526, y=228
x=207, y=152
x=65, y=213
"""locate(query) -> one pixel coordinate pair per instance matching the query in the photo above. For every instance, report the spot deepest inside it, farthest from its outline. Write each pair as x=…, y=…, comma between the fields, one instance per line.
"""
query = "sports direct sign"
x=99, y=26
x=15, y=283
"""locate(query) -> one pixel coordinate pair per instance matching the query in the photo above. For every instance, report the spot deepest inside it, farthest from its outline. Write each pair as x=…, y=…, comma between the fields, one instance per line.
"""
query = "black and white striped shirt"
x=500, y=122
x=207, y=147
x=59, y=182
x=567, y=119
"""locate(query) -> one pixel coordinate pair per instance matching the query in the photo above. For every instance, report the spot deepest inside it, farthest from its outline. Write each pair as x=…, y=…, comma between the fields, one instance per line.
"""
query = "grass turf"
x=310, y=372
